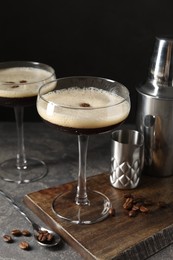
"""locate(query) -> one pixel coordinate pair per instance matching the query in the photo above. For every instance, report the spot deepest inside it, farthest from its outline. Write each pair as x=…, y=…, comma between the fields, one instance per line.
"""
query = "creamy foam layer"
x=83, y=108
x=17, y=75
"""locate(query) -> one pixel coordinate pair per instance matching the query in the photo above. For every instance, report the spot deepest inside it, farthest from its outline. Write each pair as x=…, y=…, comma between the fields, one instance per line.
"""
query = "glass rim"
x=114, y=83
x=25, y=64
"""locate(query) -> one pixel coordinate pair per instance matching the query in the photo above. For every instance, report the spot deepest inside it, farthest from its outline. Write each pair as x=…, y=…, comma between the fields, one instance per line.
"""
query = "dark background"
x=107, y=38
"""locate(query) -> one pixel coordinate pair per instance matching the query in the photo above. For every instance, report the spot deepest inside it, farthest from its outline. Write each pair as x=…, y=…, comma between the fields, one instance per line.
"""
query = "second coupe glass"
x=19, y=85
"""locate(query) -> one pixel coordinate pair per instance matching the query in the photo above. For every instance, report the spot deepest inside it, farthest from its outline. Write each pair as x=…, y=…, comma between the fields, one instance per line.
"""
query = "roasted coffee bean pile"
x=18, y=233
x=44, y=236
x=135, y=204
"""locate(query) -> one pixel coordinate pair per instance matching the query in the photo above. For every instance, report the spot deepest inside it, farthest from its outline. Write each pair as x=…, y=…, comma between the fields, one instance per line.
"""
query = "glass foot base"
x=65, y=207
x=34, y=170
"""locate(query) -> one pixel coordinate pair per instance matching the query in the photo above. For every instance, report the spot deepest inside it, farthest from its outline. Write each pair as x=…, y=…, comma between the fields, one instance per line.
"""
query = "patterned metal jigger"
x=127, y=158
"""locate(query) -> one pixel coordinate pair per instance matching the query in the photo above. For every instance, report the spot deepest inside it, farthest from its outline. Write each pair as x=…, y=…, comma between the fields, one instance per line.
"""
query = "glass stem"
x=81, y=196
x=21, y=157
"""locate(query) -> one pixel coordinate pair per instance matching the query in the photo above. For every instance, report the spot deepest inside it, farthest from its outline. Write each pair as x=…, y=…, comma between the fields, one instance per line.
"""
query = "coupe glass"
x=83, y=106
x=19, y=84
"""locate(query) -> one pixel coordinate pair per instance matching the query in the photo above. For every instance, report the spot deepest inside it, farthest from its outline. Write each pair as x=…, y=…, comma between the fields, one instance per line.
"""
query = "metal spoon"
x=37, y=230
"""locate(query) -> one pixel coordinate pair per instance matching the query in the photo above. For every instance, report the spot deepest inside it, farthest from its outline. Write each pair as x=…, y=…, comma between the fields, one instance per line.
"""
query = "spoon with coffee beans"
x=43, y=236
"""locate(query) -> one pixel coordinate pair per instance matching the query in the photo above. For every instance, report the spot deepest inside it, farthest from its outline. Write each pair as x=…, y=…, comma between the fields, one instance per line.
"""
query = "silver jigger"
x=127, y=158
x=155, y=111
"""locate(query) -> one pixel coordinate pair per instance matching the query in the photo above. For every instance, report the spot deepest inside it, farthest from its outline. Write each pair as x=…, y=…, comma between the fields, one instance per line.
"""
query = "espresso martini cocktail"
x=83, y=111
x=83, y=106
x=19, y=85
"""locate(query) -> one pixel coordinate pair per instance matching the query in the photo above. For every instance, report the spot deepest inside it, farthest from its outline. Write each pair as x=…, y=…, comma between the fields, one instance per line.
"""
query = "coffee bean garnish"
x=14, y=86
x=49, y=237
x=24, y=245
x=8, y=238
x=23, y=81
x=84, y=105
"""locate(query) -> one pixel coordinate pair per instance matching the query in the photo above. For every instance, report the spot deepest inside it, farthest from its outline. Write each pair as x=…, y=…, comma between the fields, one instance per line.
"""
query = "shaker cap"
x=160, y=78
x=161, y=68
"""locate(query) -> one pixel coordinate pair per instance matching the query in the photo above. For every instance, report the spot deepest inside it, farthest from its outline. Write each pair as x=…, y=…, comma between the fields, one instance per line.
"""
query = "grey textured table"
x=60, y=152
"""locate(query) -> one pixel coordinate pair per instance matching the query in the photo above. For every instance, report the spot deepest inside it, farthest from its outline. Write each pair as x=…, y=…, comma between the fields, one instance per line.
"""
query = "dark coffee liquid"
x=16, y=102
x=82, y=131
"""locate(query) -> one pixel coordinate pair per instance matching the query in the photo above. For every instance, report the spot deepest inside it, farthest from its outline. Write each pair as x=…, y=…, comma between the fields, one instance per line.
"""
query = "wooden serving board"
x=118, y=237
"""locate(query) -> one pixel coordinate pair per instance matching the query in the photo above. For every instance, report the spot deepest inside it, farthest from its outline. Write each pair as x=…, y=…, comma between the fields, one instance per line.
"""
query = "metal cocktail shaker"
x=155, y=111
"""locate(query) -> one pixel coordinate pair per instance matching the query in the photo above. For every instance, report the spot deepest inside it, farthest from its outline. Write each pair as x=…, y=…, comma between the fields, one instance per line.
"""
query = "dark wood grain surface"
x=118, y=237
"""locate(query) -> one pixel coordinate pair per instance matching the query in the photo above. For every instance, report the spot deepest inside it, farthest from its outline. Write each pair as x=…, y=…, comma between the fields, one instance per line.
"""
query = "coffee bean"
x=23, y=81
x=24, y=245
x=132, y=213
x=49, y=237
x=128, y=204
x=135, y=207
x=143, y=209
x=16, y=232
x=26, y=233
x=112, y=212
x=7, y=238
x=44, y=236
x=45, y=232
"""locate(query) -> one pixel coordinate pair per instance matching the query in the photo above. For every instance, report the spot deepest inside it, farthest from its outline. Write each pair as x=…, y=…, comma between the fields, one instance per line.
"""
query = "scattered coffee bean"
x=42, y=237
x=24, y=245
x=8, y=238
x=49, y=237
x=128, y=204
x=143, y=209
x=132, y=213
x=16, y=232
x=136, y=207
x=26, y=233
x=112, y=212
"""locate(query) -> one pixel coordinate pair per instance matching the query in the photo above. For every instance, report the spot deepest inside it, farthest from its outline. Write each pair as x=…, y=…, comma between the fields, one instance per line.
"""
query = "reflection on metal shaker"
x=155, y=111
x=149, y=128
